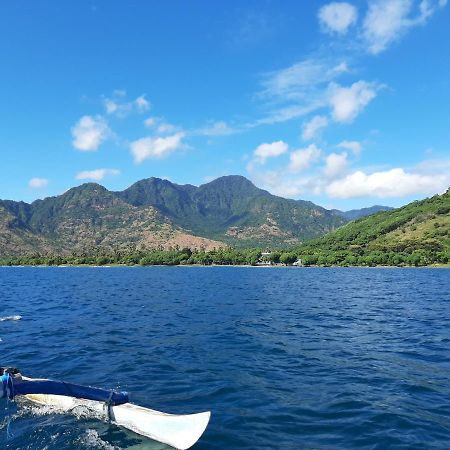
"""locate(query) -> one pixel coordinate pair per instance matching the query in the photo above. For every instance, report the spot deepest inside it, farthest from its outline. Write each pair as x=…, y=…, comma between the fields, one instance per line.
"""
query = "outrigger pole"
x=180, y=431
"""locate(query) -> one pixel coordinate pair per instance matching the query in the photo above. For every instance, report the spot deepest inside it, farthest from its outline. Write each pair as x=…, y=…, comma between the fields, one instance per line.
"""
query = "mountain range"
x=158, y=213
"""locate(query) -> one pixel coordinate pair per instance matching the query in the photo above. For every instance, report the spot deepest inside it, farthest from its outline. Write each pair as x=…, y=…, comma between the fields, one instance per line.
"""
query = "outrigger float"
x=178, y=431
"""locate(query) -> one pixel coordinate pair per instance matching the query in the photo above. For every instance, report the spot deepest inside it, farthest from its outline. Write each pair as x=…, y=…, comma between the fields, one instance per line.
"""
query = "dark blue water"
x=285, y=358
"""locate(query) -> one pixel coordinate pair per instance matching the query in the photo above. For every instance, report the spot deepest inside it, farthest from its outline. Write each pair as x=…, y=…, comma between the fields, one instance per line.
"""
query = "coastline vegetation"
x=303, y=256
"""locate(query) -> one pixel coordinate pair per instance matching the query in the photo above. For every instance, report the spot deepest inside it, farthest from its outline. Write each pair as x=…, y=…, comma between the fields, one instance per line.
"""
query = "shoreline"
x=272, y=266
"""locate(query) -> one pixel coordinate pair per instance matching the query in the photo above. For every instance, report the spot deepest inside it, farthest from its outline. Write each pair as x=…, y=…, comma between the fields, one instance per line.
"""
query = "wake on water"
x=4, y=319
x=12, y=318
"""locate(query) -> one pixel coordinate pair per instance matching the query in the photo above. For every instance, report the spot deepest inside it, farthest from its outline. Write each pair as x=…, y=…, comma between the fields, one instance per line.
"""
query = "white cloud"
x=288, y=113
x=38, y=183
x=97, y=174
x=160, y=125
x=219, y=128
x=311, y=127
x=295, y=81
x=297, y=90
x=119, y=92
x=142, y=104
x=335, y=164
x=165, y=127
x=337, y=17
x=150, y=122
x=390, y=183
x=348, y=102
x=89, y=133
x=387, y=20
x=111, y=106
x=353, y=146
x=119, y=107
x=156, y=147
x=303, y=158
x=274, y=149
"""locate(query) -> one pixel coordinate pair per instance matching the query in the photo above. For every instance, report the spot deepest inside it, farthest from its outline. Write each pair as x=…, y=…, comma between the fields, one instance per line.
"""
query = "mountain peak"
x=232, y=180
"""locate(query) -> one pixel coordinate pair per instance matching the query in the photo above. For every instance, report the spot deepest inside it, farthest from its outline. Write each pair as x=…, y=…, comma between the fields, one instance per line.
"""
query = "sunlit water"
x=285, y=358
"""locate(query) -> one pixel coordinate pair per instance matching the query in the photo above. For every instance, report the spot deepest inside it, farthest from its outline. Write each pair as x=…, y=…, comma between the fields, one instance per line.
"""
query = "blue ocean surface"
x=285, y=358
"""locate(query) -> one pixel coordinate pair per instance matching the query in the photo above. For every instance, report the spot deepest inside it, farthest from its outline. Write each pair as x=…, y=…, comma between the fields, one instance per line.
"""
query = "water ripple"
x=284, y=358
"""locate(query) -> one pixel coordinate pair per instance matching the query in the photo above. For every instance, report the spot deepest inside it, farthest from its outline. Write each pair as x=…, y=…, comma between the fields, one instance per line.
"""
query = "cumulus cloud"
x=335, y=164
x=347, y=102
x=354, y=146
x=303, y=158
x=38, y=183
x=156, y=147
x=390, y=183
x=311, y=127
x=89, y=133
x=387, y=20
x=274, y=149
x=337, y=17
x=97, y=174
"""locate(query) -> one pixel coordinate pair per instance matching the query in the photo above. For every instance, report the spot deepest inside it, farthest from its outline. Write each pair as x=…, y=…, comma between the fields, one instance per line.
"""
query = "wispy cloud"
x=160, y=125
x=89, y=133
x=388, y=20
x=38, y=183
x=353, y=146
x=150, y=122
x=156, y=147
x=311, y=128
x=97, y=174
x=166, y=128
x=118, y=106
x=219, y=128
x=297, y=90
x=252, y=27
x=299, y=81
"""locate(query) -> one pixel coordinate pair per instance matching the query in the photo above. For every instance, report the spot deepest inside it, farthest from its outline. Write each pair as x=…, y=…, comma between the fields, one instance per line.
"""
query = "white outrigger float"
x=178, y=431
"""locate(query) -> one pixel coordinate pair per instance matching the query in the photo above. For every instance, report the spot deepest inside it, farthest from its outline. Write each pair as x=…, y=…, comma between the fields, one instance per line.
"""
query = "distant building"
x=265, y=260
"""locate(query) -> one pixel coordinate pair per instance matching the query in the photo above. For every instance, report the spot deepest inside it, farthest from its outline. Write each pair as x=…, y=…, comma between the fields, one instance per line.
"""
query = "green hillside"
x=233, y=210
x=416, y=234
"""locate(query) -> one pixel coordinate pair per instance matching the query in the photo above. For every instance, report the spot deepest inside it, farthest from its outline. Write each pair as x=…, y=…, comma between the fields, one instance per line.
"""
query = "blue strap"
x=8, y=386
x=8, y=393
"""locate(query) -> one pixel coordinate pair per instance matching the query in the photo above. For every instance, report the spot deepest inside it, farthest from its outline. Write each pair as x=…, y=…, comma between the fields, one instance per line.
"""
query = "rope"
x=108, y=406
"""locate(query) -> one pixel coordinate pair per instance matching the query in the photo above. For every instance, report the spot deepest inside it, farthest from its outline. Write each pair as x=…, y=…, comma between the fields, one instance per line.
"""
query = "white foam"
x=3, y=319
x=92, y=439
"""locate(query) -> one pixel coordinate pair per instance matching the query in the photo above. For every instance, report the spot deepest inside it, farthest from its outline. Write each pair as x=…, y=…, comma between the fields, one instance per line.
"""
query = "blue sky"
x=346, y=104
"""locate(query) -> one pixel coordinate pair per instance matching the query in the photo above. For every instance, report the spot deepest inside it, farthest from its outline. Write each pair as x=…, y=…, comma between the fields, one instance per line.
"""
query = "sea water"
x=285, y=358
